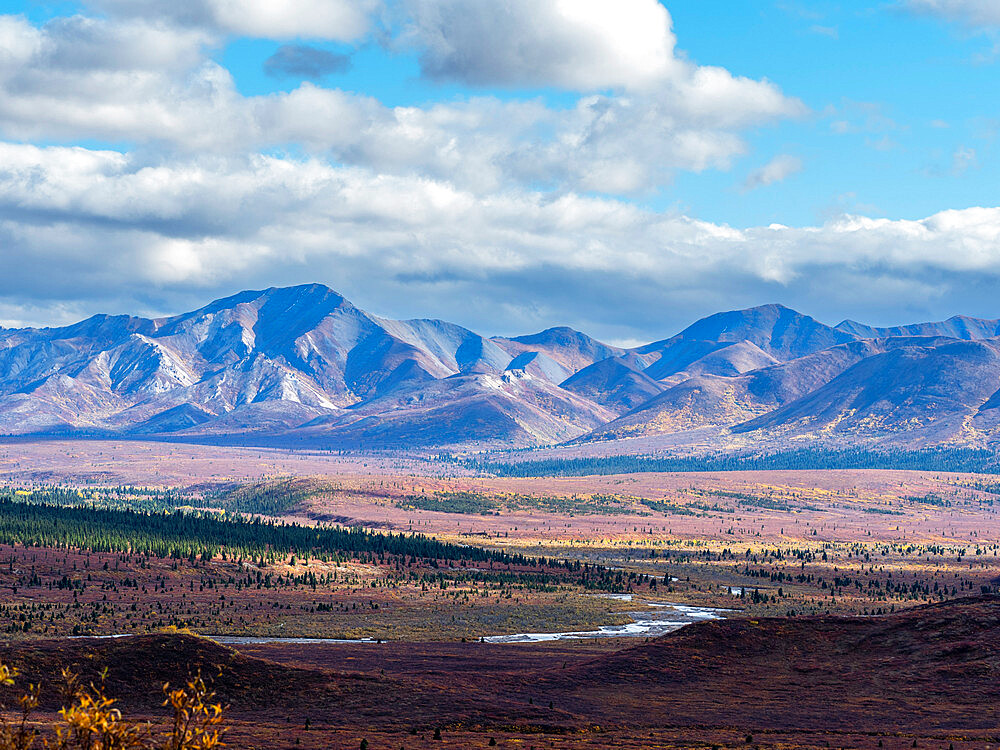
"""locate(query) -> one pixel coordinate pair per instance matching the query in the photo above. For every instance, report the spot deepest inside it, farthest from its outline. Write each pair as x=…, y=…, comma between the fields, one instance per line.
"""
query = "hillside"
x=926, y=669
x=920, y=677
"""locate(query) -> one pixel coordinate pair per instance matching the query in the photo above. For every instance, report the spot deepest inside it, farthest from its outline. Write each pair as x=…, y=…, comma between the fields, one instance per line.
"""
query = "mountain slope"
x=540, y=365
x=776, y=330
x=300, y=360
x=513, y=408
x=715, y=400
x=930, y=668
x=731, y=360
x=571, y=349
x=616, y=383
x=917, y=394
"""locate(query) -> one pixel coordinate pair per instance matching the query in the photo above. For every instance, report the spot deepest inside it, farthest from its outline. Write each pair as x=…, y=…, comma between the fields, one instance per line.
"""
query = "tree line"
x=38, y=519
x=966, y=460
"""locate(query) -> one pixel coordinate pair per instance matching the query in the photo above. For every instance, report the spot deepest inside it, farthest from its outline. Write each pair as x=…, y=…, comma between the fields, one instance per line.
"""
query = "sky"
x=620, y=166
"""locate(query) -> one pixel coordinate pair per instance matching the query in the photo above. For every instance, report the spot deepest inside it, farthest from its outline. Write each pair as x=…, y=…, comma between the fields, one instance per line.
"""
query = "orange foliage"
x=90, y=720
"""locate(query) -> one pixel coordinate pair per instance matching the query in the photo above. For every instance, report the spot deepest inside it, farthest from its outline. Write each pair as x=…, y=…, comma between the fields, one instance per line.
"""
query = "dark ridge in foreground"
x=255, y=690
x=929, y=671
x=931, y=668
x=139, y=666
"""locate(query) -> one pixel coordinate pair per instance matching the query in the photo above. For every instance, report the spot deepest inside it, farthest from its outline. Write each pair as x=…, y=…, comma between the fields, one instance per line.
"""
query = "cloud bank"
x=175, y=235
x=583, y=45
x=141, y=80
x=339, y=20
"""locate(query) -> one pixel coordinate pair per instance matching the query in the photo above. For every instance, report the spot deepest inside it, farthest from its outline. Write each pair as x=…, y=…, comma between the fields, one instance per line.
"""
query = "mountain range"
x=302, y=366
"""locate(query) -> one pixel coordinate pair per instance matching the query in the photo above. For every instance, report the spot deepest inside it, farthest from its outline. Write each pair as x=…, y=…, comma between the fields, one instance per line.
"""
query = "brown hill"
x=928, y=671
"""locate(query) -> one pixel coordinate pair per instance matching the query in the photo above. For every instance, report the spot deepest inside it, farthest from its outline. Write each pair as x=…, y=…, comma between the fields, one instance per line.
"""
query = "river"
x=662, y=618
x=659, y=619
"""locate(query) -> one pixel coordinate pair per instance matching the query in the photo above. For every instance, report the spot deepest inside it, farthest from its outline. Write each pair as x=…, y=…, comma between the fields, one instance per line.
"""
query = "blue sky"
x=894, y=156
x=506, y=164
x=903, y=129
x=913, y=91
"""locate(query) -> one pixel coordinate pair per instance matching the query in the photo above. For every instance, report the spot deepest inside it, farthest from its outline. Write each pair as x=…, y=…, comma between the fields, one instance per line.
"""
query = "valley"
x=432, y=575
x=922, y=676
x=767, y=543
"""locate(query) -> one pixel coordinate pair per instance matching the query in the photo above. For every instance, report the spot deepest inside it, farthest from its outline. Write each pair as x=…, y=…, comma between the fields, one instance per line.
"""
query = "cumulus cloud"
x=80, y=77
x=306, y=62
x=486, y=210
x=138, y=82
x=577, y=44
x=587, y=46
x=96, y=46
x=776, y=170
x=182, y=233
x=340, y=20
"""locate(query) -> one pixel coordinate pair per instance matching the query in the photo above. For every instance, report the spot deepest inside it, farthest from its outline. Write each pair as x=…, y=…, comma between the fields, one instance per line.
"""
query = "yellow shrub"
x=90, y=720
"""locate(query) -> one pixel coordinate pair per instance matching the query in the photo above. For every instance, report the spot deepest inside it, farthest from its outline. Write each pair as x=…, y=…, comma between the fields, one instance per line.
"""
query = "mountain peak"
x=299, y=295
x=289, y=295
x=778, y=330
x=572, y=349
x=301, y=291
x=771, y=307
x=556, y=334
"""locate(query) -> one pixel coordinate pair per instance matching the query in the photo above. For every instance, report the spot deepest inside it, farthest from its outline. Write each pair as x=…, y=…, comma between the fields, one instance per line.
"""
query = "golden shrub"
x=90, y=720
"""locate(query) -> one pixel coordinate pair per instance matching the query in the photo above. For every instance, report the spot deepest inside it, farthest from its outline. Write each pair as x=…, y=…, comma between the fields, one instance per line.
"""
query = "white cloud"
x=963, y=160
x=578, y=44
x=341, y=20
x=116, y=234
x=133, y=81
x=79, y=77
x=460, y=208
x=776, y=170
x=587, y=46
x=972, y=12
x=610, y=144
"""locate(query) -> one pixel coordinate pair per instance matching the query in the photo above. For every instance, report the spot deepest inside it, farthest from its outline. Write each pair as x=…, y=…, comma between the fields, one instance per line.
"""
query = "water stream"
x=659, y=619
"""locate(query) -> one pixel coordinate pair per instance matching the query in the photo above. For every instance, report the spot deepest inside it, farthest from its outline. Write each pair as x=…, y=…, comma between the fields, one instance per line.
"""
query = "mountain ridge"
x=305, y=365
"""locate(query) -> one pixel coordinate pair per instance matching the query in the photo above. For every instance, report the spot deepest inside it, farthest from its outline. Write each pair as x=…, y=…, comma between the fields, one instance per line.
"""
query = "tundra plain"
x=792, y=559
